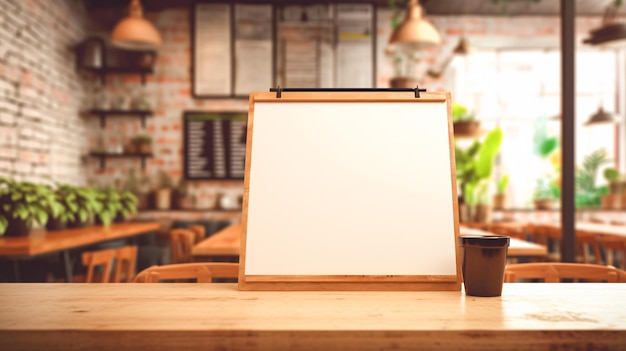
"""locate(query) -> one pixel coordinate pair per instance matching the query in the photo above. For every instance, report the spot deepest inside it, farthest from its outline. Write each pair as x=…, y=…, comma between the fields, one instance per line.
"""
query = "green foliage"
x=474, y=166
x=544, y=144
x=611, y=174
x=165, y=180
x=503, y=183
x=113, y=202
x=26, y=201
x=183, y=188
x=460, y=113
x=68, y=204
x=141, y=139
x=547, y=189
x=587, y=194
x=137, y=185
x=84, y=200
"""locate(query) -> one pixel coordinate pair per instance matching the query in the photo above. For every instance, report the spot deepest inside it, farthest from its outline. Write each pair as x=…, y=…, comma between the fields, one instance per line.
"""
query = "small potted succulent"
x=22, y=204
x=464, y=122
x=163, y=193
x=141, y=144
x=499, y=199
x=616, y=190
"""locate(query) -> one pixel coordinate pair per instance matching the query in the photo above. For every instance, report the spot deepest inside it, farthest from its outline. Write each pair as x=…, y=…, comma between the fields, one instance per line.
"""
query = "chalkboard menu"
x=214, y=145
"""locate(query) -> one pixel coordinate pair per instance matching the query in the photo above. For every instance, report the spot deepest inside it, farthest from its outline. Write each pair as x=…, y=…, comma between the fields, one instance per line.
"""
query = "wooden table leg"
x=68, y=266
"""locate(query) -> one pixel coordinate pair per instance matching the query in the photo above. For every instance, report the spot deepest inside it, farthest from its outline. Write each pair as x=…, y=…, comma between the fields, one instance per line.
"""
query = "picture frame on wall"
x=232, y=48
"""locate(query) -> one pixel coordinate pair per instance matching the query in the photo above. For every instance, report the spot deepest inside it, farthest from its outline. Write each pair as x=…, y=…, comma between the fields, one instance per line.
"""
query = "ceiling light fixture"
x=611, y=33
x=601, y=117
x=415, y=33
x=135, y=32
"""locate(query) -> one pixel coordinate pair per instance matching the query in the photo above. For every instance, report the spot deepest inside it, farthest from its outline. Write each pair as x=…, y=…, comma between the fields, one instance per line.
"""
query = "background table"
x=43, y=242
x=227, y=242
x=531, y=316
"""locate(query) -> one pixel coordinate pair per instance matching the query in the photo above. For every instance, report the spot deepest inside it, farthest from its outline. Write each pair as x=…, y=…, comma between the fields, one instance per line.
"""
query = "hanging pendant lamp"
x=135, y=32
x=415, y=33
x=611, y=33
x=601, y=117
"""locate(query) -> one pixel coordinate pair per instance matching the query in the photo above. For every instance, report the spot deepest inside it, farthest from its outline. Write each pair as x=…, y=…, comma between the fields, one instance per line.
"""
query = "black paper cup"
x=483, y=263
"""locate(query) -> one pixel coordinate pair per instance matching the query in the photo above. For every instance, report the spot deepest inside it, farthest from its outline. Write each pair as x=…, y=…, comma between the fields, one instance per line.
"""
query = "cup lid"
x=486, y=240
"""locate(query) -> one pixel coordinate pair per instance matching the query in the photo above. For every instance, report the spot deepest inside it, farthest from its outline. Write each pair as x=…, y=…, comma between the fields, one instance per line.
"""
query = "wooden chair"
x=202, y=272
x=93, y=259
x=612, y=245
x=181, y=243
x=125, y=264
x=125, y=259
x=587, y=242
x=199, y=231
x=553, y=272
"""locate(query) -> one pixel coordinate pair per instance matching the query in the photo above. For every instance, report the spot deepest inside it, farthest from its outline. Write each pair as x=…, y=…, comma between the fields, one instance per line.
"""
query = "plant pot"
x=78, y=224
x=545, y=204
x=163, y=199
x=119, y=218
x=144, y=148
x=17, y=227
x=611, y=201
x=467, y=128
x=55, y=224
x=482, y=213
x=143, y=201
x=403, y=82
x=130, y=148
x=499, y=201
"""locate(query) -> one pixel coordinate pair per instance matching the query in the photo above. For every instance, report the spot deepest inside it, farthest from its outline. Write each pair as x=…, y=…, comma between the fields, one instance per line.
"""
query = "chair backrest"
x=613, y=245
x=202, y=272
x=125, y=262
x=199, y=231
x=101, y=258
x=553, y=272
x=181, y=243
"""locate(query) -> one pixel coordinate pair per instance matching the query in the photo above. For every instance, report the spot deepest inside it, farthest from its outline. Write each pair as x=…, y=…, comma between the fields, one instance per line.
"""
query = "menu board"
x=214, y=145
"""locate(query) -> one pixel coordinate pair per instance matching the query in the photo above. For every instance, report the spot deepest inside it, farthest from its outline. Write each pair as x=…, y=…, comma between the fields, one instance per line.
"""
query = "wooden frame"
x=446, y=273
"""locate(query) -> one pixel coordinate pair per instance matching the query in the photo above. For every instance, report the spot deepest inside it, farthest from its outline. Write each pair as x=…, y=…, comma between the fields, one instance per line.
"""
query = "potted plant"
x=22, y=204
x=67, y=209
x=464, y=122
x=547, y=193
x=141, y=144
x=128, y=205
x=499, y=199
x=473, y=170
x=86, y=205
x=140, y=188
x=616, y=188
x=109, y=205
x=588, y=194
x=181, y=196
x=163, y=194
x=404, y=69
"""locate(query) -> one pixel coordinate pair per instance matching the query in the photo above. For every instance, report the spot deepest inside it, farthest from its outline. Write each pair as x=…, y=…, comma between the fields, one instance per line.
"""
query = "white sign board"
x=349, y=190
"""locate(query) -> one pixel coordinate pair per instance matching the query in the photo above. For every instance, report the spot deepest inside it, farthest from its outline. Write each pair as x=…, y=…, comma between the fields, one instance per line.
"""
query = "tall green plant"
x=587, y=193
x=84, y=200
x=474, y=166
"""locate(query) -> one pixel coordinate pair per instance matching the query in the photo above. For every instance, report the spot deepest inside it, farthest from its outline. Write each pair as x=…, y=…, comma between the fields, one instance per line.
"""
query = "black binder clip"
x=417, y=91
x=279, y=92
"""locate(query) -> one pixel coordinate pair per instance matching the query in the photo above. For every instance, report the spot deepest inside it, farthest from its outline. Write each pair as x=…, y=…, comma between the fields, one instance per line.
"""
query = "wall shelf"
x=104, y=155
x=103, y=114
x=143, y=72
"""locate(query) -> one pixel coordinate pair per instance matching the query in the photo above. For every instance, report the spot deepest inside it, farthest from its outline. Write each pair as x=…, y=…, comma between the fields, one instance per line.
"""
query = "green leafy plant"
x=587, y=193
x=503, y=182
x=128, y=203
x=84, y=199
x=460, y=113
x=616, y=181
x=183, y=188
x=68, y=205
x=474, y=166
x=141, y=139
x=26, y=202
x=165, y=180
x=109, y=203
x=546, y=189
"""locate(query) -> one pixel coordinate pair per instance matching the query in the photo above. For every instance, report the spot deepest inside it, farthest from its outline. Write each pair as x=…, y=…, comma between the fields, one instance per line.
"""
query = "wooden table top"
x=528, y=316
x=227, y=241
x=517, y=247
x=41, y=241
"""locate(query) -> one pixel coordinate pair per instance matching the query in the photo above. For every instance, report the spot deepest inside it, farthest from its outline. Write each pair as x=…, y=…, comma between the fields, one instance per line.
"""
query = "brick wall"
x=42, y=136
